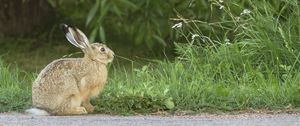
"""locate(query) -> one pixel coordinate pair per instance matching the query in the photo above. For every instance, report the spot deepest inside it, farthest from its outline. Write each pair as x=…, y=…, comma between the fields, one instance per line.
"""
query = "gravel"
x=16, y=119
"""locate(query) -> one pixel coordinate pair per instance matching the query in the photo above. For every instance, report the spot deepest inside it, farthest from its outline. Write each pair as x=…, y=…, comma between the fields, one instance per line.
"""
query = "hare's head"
x=95, y=51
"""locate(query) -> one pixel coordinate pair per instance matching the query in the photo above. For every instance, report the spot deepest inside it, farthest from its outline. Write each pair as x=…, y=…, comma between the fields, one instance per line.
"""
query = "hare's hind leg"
x=71, y=106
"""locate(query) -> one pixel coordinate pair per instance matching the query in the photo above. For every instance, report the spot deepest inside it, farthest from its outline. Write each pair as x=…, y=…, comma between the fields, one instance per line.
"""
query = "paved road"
x=105, y=120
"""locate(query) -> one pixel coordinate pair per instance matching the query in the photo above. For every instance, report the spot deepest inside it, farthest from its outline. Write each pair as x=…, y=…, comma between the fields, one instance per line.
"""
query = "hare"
x=65, y=86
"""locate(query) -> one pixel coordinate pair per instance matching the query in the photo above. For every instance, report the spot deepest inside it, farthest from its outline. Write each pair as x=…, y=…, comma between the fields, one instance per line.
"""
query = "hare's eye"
x=102, y=49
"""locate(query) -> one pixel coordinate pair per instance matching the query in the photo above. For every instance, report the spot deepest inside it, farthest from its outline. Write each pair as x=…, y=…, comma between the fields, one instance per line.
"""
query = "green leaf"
x=169, y=103
x=92, y=13
x=93, y=35
x=117, y=11
x=129, y=3
x=144, y=68
x=103, y=3
x=222, y=91
x=52, y=3
x=166, y=91
x=103, y=12
x=160, y=40
x=102, y=34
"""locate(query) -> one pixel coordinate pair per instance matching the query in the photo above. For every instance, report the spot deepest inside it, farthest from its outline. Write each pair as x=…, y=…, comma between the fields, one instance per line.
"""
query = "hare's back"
x=57, y=72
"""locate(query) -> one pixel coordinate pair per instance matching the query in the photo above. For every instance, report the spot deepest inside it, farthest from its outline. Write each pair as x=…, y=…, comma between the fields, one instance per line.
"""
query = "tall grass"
x=15, y=89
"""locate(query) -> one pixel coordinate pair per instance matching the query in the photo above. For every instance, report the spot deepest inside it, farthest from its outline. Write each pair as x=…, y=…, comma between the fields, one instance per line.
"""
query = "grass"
x=193, y=87
x=15, y=89
x=248, y=61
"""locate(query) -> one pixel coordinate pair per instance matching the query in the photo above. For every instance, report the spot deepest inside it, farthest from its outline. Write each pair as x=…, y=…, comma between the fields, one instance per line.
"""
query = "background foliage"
x=139, y=22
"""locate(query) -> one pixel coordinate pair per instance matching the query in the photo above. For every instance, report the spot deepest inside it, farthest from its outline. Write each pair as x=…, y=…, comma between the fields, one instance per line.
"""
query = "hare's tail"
x=36, y=111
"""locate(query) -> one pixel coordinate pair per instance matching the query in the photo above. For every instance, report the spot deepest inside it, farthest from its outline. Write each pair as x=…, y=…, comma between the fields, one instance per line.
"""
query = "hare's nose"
x=110, y=52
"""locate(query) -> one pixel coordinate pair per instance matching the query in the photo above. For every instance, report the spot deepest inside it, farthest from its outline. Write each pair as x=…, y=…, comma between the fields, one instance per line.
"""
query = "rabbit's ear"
x=75, y=36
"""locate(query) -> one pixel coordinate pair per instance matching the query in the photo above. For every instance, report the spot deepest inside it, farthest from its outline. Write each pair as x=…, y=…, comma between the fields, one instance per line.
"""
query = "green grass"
x=192, y=85
x=246, y=62
x=15, y=89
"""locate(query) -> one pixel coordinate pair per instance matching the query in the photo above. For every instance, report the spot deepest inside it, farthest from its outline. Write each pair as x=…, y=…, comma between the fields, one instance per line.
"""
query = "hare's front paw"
x=80, y=110
x=89, y=107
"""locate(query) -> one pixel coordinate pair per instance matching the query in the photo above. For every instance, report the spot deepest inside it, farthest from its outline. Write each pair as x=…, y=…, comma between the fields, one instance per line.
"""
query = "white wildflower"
x=221, y=7
x=227, y=42
x=246, y=12
x=194, y=36
x=178, y=25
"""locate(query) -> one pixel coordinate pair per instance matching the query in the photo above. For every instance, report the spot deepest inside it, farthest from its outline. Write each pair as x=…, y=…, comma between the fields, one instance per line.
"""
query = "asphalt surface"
x=106, y=120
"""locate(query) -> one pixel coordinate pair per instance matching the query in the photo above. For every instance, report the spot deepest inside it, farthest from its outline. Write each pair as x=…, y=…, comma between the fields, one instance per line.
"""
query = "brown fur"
x=65, y=86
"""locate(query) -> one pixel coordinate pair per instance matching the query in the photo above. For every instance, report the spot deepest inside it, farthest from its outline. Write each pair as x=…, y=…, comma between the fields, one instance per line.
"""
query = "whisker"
x=126, y=59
